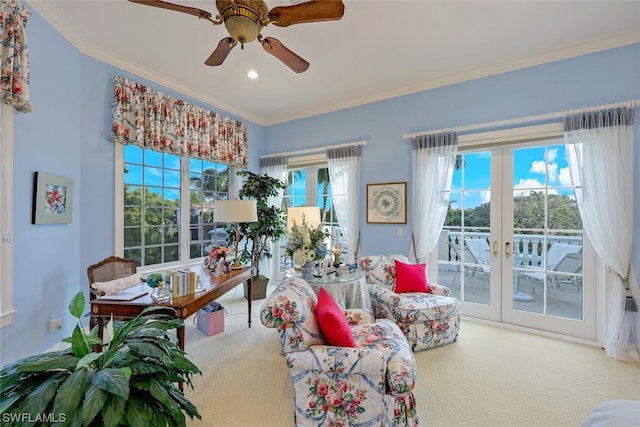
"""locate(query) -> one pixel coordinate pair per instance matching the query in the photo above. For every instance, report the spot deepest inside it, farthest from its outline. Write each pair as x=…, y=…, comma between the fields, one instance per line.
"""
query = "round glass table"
x=348, y=289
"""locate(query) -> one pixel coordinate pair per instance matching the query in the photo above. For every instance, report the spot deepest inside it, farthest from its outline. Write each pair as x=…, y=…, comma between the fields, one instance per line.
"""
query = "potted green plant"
x=132, y=382
x=257, y=236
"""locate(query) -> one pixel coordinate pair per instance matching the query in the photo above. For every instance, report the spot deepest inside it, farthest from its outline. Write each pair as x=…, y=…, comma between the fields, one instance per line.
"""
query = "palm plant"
x=133, y=382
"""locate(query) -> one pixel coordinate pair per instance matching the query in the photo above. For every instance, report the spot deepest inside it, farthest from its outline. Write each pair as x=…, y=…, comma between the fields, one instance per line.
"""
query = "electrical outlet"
x=400, y=231
x=55, y=324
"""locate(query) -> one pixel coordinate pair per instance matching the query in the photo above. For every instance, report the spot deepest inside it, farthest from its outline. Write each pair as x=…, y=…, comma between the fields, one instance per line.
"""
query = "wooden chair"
x=108, y=269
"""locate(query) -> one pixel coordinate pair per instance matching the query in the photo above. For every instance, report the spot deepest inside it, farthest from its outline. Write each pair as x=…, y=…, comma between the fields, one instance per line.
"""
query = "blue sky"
x=533, y=170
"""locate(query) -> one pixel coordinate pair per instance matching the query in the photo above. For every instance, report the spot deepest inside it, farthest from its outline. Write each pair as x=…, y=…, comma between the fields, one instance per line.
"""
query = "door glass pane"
x=547, y=234
x=463, y=248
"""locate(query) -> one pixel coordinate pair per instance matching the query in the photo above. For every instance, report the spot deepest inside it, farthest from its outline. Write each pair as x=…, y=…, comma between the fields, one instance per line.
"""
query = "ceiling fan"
x=244, y=19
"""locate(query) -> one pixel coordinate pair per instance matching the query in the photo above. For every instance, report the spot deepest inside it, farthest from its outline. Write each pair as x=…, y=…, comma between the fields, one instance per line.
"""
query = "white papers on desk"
x=127, y=294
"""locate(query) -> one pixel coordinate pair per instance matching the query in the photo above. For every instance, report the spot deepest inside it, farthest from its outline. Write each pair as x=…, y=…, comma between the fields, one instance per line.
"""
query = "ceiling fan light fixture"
x=243, y=18
x=242, y=29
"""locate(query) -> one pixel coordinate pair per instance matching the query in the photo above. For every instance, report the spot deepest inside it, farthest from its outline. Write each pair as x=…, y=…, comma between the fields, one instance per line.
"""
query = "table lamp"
x=236, y=212
x=311, y=215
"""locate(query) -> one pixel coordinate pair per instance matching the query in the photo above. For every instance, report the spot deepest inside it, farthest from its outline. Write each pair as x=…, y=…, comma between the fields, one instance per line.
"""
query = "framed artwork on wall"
x=387, y=203
x=52, y=199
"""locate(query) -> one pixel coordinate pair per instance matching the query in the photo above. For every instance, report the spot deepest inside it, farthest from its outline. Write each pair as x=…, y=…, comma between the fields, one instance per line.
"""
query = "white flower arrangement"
x=306, y=244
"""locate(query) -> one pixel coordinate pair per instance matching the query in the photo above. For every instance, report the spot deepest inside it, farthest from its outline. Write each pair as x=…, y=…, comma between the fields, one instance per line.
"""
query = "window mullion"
x=185, y=210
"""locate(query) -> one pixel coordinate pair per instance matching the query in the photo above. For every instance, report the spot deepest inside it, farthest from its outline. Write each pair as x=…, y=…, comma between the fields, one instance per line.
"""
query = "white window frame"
x=184, y=260
x=6, y=216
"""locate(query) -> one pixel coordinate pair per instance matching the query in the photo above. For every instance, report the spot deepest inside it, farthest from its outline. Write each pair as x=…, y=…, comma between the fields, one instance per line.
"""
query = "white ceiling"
x=380, y=49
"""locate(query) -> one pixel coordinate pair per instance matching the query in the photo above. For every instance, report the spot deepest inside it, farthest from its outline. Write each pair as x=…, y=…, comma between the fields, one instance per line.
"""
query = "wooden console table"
x=183, y=306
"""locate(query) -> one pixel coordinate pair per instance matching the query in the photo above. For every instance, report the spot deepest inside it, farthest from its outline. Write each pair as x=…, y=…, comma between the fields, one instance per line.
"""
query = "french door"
x=513, y=249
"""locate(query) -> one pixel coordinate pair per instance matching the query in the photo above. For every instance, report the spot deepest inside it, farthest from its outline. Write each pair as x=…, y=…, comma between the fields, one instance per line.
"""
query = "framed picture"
x=52, y=199
x=387, y=203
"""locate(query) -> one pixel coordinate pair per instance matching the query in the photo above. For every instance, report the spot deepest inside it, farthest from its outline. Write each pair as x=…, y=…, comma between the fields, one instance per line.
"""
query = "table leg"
x=249, y=299
x=99, y=321
x=181, y=339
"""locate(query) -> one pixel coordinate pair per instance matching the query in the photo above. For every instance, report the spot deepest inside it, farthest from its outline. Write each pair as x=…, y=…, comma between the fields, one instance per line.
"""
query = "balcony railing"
x=527, y=248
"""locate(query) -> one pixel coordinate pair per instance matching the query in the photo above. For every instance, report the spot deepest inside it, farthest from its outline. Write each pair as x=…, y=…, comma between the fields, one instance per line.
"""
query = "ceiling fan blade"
x=312, y=11
x=221, y=52
x=291, y=60
x=171, y=6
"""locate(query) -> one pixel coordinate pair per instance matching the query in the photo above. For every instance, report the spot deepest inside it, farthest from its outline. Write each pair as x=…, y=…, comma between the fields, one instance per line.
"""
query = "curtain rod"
x=629, y=104
x=314, y=150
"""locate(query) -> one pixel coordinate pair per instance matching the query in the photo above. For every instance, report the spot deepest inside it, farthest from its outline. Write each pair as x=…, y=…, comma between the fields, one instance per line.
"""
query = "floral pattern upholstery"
x=369, y=385
x=427, y=319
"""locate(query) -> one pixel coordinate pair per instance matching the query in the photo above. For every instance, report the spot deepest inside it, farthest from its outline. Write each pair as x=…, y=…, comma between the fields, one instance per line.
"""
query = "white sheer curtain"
x=275, y=167
x=433, y=161
x=344, y=175
x=600, y=151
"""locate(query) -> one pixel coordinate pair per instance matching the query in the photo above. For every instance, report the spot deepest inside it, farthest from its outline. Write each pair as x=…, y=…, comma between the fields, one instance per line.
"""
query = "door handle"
x=495, y=248
x=507, y=250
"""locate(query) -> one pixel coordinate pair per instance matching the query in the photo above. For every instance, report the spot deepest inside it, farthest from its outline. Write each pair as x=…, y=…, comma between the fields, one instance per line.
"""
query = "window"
x=162, y=190
x=312, y=184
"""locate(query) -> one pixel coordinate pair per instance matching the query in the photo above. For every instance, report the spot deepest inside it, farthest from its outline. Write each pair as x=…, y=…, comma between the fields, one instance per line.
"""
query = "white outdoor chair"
x=476, y=260
x=564, y=265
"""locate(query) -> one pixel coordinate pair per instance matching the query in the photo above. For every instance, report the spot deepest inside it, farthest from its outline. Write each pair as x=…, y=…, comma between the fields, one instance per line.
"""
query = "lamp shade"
x=311, y=215
x=235, y=211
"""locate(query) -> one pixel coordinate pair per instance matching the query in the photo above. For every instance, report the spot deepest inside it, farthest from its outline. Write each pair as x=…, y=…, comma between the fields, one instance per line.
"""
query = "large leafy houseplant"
x=271, y=224
x=132, y=382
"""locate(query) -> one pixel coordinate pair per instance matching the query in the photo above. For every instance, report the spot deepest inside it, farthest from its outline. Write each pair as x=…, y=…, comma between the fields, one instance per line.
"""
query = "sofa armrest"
x=438, y=290
x=384, y=301
x=290, y=309
x=338, y=360
x=357, y=316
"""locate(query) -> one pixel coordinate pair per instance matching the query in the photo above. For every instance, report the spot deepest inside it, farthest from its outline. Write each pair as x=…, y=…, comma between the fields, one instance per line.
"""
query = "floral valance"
x=151, y=119
x=14, y=57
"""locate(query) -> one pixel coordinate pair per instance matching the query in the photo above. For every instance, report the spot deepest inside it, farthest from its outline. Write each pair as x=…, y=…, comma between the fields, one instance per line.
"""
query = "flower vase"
x=308, y=270
x=222, y=265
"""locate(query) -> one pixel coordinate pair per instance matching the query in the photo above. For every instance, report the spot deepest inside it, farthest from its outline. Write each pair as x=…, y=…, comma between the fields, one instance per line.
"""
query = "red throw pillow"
x=332, y=321
x=410, y=277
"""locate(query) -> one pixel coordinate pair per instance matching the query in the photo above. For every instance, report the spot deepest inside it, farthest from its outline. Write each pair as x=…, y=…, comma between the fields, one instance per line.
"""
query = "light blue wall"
x=601, y=78
x=46, y=257
x=66, y=134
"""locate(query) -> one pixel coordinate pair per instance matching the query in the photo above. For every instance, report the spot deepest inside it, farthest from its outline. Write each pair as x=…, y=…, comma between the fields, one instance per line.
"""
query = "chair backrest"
x=558, y=251
x=381, y=269
x=479, y=249
x=570, y=263
x=109, y=269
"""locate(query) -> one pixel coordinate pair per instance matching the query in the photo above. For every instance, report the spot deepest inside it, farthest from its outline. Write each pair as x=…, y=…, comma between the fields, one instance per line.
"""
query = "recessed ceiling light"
x=252, y=74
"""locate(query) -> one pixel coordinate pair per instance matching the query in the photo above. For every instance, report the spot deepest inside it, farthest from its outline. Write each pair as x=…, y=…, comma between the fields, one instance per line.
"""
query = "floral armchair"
x=427, y=319
x=370, y=384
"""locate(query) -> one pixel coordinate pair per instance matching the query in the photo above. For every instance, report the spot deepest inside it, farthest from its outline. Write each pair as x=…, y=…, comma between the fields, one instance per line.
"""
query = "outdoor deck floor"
x=476, y=290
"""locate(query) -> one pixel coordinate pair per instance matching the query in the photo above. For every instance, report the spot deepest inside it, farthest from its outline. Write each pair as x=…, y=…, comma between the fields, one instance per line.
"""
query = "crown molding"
x=531, y=61
x=60, y=24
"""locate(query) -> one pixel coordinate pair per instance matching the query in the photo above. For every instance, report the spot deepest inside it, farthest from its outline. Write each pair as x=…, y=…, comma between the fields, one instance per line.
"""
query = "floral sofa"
x=369, y=385
x=427, y=319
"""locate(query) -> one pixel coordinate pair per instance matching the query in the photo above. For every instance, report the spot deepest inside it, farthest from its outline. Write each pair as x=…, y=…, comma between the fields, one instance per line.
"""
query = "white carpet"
x=490, y=377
